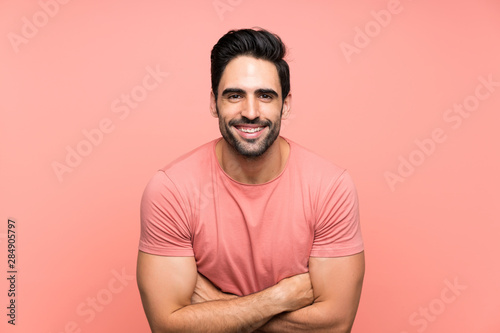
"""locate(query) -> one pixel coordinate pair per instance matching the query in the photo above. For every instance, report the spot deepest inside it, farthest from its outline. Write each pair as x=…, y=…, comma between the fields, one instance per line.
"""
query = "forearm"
x=337, y=284
x=313, y=318
x=234, y=314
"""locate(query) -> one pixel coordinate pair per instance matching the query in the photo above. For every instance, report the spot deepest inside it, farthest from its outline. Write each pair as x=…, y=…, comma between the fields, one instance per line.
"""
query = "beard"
x=250, y=148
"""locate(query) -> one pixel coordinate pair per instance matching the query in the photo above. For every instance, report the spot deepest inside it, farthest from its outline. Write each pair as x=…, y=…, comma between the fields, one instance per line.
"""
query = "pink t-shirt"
x=247, y=237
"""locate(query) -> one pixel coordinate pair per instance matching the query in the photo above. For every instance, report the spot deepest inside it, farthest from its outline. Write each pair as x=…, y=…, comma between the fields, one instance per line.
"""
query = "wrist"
x=295, y=292
x=281, y=297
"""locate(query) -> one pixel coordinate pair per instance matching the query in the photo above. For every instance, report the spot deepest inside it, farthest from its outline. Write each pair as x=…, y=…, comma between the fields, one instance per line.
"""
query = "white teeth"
x=251, y=130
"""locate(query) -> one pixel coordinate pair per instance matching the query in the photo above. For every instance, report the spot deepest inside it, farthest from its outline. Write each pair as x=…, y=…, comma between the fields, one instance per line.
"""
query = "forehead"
x=249, y=73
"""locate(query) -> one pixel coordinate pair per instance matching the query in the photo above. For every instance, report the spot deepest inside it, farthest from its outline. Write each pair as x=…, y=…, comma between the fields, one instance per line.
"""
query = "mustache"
x=246, y=121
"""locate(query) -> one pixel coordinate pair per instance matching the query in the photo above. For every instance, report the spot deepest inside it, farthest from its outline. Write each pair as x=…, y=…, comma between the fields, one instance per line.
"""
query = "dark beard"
x=239, y=144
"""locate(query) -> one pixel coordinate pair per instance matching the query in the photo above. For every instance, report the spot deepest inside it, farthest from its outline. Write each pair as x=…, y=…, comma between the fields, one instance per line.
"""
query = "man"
x=251, y=231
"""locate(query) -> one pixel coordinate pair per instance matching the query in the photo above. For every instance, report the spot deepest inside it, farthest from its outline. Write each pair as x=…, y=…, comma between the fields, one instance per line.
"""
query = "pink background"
x=434, y=227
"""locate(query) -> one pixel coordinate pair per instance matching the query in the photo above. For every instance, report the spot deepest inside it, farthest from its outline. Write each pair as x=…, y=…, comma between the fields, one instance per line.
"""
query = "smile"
x=250, y=130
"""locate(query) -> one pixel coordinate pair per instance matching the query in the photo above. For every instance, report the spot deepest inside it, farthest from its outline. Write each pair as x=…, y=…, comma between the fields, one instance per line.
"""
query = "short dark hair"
x=260, y=44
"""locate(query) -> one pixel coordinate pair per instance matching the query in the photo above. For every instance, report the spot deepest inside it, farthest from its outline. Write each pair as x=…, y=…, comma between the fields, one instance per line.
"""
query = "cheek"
x=275, y=112
x=228, y=109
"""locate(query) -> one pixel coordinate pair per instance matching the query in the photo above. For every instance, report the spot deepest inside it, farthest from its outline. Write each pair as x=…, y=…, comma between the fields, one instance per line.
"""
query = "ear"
x=287, y=106
x=213, y=105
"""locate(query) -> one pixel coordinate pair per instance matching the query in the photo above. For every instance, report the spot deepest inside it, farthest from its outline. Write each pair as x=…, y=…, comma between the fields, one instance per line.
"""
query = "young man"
x=251, y=231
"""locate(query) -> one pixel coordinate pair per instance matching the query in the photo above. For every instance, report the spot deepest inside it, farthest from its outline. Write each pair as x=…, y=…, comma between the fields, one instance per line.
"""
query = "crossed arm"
x=177, y=299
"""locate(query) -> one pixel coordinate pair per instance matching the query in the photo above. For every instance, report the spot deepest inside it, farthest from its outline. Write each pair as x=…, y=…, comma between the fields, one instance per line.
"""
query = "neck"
x=256, y=170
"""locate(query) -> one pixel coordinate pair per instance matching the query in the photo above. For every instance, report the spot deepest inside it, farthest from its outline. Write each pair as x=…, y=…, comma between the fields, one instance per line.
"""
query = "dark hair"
x=260, y=44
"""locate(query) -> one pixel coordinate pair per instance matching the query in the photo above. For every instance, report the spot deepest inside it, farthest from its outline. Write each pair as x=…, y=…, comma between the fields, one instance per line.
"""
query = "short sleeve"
x=337, y=230
x=164, y=219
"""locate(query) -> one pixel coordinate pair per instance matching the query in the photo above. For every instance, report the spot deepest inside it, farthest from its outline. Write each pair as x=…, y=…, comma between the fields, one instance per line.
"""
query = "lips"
x=250, y=131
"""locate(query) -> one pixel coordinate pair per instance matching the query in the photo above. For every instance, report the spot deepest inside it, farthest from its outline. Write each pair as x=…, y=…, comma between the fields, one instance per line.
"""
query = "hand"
x=298, y=291
x=205, y=291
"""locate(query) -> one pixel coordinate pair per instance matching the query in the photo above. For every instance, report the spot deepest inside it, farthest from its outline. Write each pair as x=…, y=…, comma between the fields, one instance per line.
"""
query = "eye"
x=234, y=96
x=266, y=96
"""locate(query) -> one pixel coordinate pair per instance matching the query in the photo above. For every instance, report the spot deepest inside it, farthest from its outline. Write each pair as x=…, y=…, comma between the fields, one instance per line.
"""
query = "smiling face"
x=250, y=105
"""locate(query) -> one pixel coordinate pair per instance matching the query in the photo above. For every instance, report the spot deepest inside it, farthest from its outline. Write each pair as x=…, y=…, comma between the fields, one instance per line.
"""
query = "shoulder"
x=193, y=159
x=183, y=173
x=314, y=166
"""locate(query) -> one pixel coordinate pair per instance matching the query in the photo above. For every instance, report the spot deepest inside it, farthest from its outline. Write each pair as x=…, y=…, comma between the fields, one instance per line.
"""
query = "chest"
x=251, y=242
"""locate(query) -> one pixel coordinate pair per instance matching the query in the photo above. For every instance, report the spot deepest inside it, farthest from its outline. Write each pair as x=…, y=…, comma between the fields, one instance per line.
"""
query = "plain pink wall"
x=376, y=85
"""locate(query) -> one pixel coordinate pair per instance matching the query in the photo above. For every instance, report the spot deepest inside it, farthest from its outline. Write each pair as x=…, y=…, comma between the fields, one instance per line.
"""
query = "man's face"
x=249, y=105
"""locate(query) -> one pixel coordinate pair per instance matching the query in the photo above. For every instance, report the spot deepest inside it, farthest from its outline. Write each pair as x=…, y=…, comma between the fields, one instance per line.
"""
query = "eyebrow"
x=267, y=91
x=233, y=91
x=243, y=92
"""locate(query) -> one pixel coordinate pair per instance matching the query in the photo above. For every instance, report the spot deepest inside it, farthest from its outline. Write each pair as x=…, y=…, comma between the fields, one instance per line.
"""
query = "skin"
x=337, y=284
x=177, y=298
x=252, y=76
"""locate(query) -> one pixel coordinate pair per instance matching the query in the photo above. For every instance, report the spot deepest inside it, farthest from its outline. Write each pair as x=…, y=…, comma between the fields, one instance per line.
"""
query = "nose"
x=250, y=108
